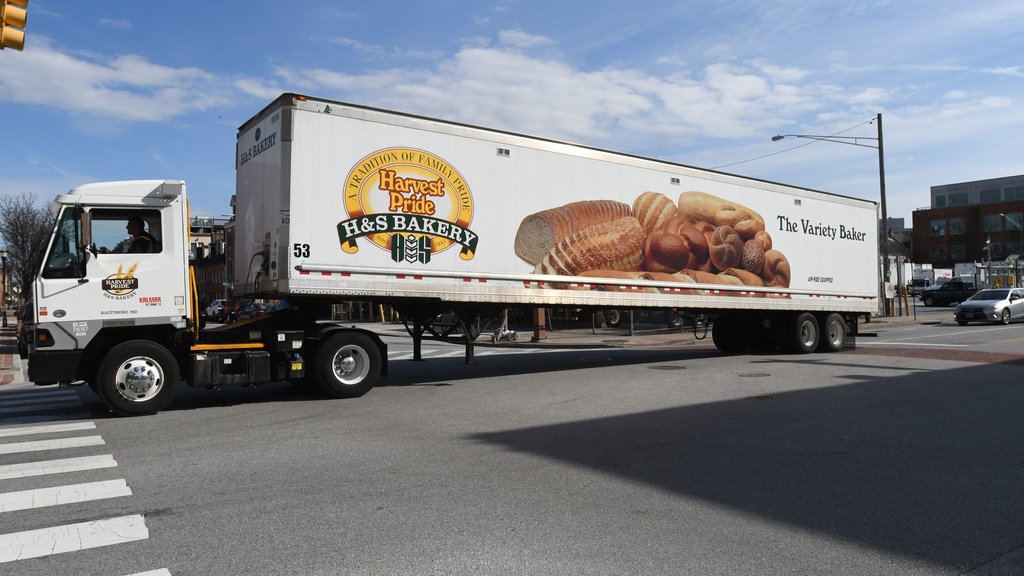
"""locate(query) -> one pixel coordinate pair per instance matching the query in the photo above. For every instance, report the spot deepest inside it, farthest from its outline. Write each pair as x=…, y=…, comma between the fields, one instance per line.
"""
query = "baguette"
x=538, y=233
x=697, y=206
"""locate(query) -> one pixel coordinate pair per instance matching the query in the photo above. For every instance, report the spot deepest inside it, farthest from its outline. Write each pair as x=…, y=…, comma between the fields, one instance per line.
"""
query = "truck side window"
x=65, y=256
x=126, y=231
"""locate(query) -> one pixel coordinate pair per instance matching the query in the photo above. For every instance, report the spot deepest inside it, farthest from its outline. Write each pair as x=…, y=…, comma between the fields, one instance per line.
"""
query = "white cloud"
x=520, y=39
x=128, y=88
x=114, y=23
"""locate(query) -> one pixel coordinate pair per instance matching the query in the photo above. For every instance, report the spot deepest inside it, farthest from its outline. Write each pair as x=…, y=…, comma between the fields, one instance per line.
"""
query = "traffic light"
x=12, y=15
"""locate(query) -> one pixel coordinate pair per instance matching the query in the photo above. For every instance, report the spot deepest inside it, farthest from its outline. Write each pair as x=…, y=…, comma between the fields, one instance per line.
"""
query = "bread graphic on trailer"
x=616, y=245
x=539, y=233
x=700, y=239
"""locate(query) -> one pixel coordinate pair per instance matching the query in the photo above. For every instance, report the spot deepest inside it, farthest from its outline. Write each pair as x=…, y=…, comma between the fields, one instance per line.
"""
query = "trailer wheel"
x=613, y=317
x=833, y=333
x=137, y=377
x=727, y=334
x=346, y=365
x=803, y=333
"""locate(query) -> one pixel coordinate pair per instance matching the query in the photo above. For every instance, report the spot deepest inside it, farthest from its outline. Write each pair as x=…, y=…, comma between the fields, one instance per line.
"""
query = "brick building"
x=968, y=219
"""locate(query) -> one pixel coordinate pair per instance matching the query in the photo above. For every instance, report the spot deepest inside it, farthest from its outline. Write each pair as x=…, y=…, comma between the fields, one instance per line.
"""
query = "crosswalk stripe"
x=46, y=429
x=72, y=537
x=56, y=466
x=57, y=495
x=56, y=444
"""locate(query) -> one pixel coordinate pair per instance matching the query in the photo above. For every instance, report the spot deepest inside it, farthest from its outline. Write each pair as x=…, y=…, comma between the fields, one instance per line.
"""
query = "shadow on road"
x=929, y=466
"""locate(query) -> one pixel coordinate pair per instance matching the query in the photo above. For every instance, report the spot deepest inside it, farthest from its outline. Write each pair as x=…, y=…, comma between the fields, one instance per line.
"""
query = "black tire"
x=613, y=317
x=137, y=377
x=803, y=333
x=346, y=365
x=928, y=301
x=1004, y=318
x=728, y=335
x=833, y=333
x=962, y=322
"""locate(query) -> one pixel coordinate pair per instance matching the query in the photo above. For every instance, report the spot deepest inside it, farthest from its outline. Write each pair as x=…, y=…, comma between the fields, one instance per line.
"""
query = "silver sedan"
x=996, y=305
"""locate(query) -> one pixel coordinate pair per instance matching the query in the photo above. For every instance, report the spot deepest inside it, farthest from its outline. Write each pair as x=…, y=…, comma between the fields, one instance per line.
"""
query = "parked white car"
x=215, y=308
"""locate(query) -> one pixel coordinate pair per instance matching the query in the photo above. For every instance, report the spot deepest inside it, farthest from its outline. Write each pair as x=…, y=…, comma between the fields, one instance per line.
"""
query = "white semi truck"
x=337, y=202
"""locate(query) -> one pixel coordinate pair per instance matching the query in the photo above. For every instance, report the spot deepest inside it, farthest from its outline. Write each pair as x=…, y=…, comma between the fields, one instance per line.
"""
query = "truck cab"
x=99, y=287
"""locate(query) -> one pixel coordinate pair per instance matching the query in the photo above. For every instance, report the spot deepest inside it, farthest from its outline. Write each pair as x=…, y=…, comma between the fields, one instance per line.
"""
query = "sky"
x=130, y=89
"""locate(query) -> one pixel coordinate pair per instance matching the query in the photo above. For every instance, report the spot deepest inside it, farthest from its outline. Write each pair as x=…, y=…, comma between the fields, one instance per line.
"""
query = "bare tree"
x=26, y=229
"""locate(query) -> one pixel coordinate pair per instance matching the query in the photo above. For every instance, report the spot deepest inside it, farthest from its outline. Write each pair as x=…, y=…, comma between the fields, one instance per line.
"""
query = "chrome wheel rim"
x=139, y=379
x=350, y=365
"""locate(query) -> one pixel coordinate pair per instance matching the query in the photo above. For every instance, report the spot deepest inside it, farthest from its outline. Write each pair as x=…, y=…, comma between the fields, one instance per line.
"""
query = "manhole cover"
x=753, y=375
x=666, y=367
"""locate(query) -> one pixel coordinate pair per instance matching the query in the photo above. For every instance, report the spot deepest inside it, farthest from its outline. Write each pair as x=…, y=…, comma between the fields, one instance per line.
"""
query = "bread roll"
x=538, y=233
x=616, y=245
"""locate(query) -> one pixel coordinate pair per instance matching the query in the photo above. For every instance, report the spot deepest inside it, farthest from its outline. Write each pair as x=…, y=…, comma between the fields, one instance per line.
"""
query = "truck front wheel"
x=137, y=377
x=346, y=365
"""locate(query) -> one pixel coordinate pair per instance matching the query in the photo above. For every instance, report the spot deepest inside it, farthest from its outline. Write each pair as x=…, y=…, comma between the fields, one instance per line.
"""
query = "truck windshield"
x=65, y=256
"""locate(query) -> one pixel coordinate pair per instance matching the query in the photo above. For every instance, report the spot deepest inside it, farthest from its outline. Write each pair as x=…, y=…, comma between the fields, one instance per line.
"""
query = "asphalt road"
x=901, y=457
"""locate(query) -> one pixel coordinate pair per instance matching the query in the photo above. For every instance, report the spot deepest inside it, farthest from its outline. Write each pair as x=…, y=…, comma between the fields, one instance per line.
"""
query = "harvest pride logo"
x=409, y=202
x=122, y=285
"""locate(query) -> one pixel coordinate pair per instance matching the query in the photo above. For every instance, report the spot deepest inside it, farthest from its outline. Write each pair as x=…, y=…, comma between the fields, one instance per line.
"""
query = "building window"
x=958, y=252
x=991, y=196
x=938, y=228
x=940, y=201
x=938, y=253
x=1013, y=221
x=993, y=223
x=1014, y=193
x=997, y=251
x=957, y=226
x=958, y=199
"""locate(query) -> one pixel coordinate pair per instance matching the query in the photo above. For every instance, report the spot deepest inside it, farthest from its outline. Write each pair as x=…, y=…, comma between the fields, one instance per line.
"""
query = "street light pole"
x=3, y=291
x=884, y=232
x=1020, y=251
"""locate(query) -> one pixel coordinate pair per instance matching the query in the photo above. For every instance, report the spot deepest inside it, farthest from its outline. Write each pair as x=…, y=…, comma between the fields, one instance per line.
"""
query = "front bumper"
x=54, y=366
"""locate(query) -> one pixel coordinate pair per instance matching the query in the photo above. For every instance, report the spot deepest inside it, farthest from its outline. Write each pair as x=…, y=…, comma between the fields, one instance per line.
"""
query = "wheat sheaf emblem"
x=122, y=282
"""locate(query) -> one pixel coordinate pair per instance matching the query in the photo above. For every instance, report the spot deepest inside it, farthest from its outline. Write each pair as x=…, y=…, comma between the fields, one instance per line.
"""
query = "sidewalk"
x=10, y=362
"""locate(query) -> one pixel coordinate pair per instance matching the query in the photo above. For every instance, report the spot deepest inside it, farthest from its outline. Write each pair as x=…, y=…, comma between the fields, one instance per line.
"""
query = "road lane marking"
x=56, y=444
x=160, y=572
x=46, y=429
x=56, y=466
x=57, y=495
x=72, y=537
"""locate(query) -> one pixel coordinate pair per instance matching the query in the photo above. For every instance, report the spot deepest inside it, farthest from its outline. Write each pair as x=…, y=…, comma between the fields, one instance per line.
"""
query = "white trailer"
x=339, y=202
